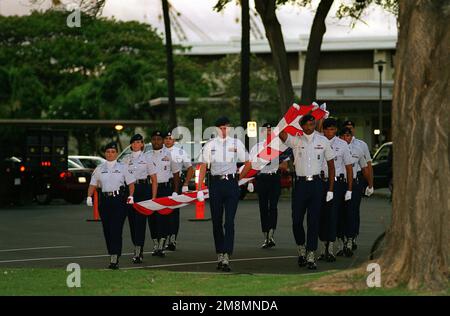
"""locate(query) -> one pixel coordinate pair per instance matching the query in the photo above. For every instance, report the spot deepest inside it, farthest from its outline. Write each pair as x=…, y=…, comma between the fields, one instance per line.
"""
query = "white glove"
x=174, y=194
x=130, y=200
x=348, y=195
x=200, y=196
x=329, y=196
x=369, y=191
x=250, y=187
x=89, y=201
x=185, y=188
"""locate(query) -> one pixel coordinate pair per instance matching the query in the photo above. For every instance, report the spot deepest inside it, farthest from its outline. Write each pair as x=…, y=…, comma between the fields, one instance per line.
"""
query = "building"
x=348, y=79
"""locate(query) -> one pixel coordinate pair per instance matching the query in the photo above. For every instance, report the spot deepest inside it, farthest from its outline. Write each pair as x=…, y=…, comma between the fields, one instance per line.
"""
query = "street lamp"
x=380, y=63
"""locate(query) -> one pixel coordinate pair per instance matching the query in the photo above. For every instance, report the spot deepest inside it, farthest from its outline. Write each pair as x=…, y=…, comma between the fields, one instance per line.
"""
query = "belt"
x=225, y=176
x=164, y=184
x=142, y=181
x=308, y=178
x=112, y=193
x=268, y=174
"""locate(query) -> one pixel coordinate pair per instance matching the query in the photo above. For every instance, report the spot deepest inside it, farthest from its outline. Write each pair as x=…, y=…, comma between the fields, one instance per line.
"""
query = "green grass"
x=157, y=282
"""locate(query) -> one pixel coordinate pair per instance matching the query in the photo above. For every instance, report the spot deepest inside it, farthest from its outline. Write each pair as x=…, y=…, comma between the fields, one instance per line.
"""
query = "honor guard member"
x=342, y=189
x=143, y=169
x=364, y=185
x=359, y=165
x=310, y=150
x=181, y=157
x=112, y=176
x=268, y=188
x=165, y=169
x=221, y=155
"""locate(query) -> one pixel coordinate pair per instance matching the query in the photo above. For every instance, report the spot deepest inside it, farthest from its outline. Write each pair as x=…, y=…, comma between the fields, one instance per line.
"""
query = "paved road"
x=55, y=235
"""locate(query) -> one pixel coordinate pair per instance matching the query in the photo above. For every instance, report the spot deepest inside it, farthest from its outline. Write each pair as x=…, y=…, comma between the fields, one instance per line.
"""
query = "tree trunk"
x=417, y=245
x=266, y=9
x=318, y=29
x=170, y=74
x=245, y=63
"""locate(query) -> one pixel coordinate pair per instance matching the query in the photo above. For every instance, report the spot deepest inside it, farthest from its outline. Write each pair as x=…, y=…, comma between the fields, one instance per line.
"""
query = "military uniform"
x=141, y=167
x=165, y=168
x=181, y=157
x=222, y=155
x=309, y=153
x=268, y=188
x=330, y=210
x=348, y=227
x=111, y=176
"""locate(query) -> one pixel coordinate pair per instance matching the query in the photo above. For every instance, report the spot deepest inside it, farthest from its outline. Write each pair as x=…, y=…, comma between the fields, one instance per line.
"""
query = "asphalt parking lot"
x=55, y=235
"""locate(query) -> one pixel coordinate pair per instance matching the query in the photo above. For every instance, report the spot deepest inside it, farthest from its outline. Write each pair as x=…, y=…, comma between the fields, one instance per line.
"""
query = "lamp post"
x=380, y=63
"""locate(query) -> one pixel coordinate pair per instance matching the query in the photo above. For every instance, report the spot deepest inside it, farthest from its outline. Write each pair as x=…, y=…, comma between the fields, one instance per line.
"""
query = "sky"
x=200, y=23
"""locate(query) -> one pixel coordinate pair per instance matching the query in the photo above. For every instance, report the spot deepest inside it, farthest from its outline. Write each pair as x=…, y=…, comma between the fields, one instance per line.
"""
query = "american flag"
x=273, y=146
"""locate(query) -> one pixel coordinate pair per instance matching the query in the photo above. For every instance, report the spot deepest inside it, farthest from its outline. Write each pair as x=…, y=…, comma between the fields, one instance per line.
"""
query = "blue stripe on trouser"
x=136, y=220
x=307, y=197
x=113, y=211
x=329, y=212
x=223, y=198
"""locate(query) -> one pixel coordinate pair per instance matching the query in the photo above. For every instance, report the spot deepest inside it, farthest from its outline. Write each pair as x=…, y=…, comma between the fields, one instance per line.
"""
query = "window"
x=382, y=154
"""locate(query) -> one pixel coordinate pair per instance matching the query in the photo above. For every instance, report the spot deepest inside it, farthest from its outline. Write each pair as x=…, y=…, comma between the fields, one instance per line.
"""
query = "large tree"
x=266, y=9
x=312, y=59
x=417, y=248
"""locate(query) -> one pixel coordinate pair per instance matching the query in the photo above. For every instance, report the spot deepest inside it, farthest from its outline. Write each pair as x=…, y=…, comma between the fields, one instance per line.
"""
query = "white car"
x=87, y=161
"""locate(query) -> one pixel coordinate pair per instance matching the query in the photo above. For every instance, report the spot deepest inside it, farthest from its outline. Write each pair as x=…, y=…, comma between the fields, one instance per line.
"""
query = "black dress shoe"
x=161, y=253
x=265, y=245
x=271, y=243
x=137, y=259
x=311, y=265
x=330, y=258
x=171, y=247
x=113, y=266
x=301, y=261
x=226, y=267
x=348, y=252
x=219, y=265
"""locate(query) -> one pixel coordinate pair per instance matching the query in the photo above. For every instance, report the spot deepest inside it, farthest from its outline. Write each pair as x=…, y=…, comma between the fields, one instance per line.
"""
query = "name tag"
x=318, y=147
x=232, y=149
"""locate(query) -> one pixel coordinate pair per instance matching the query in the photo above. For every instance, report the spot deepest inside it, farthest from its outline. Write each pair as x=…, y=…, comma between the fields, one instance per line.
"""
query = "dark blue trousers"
x=363, y=186
x=223, y=199
x=352, y=211
x=159, y=224
x=307, y=197
x=113, y=211
x=330, y=210
x=268, y=188
x=174, y=220
x=138, y=221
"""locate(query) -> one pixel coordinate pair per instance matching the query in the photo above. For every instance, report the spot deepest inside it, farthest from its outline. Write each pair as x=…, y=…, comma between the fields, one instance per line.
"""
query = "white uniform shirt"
x=180, y=156
x=364, y=148
x=165, y=166
x=271, y=167
x=140, y=165
x=309, y=155
x=341, y=159
x=222, y=154
x=358, y=158
x=110, y=177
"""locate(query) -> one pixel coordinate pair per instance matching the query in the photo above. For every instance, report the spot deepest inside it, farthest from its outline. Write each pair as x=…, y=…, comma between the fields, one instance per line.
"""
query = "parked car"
x=382, y=166
x=72, y=184
x=87, y=161
x=13, y=179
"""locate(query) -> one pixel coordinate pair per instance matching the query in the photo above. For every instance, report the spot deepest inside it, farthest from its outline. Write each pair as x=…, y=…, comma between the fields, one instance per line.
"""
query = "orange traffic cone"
x=95, y=209
x=199, y=205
